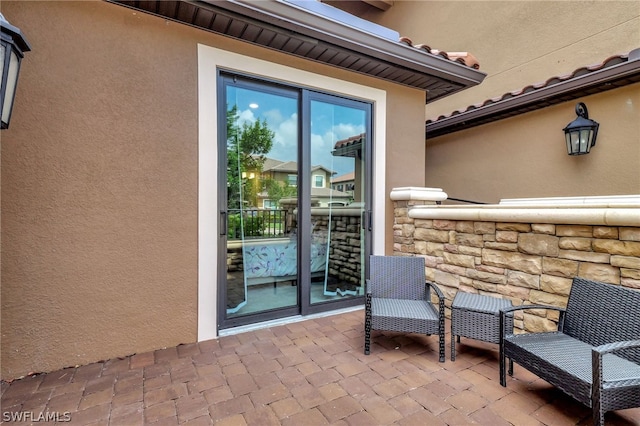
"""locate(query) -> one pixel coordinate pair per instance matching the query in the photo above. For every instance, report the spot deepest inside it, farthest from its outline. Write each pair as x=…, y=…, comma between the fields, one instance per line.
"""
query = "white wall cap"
x=602, y=201
x=584, y=215
x=414, y=193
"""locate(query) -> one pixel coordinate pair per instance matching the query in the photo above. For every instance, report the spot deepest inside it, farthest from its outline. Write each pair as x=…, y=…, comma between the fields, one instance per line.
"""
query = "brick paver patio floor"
x=311, y=372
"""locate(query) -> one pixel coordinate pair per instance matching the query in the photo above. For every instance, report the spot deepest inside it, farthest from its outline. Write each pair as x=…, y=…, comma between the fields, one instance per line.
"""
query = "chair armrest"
x=509, y=310
x=367, y=286
x=615, y=346
x=440, y=295
x=597, y=353
x=435, y=288
x=523, y=307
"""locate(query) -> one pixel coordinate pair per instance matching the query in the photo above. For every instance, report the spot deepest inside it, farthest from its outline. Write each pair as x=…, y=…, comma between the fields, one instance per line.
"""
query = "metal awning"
x=322, y=33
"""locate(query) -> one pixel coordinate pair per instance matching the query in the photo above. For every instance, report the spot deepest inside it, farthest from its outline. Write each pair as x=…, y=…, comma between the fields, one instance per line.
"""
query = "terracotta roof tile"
x=350, y=141
x=609, y=62
x=464, y=58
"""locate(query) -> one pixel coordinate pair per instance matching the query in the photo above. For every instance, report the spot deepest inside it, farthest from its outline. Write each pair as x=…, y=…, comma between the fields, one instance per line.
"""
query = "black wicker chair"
x=595, y=354
x=398, y=298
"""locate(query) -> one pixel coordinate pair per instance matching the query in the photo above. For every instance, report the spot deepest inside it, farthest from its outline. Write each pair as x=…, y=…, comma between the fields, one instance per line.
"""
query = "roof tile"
x=610, y=61
x=464, y=58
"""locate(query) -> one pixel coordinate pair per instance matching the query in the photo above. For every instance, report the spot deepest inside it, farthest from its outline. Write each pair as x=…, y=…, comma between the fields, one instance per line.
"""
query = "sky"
x=329, y=124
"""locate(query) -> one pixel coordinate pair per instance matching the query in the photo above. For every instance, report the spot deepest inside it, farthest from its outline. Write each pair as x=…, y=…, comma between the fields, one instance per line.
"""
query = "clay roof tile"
x=610, y=61
x=464, y=58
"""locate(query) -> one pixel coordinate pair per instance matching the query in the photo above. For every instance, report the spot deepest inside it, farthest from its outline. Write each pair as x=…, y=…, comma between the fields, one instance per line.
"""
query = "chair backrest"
x=599, y=313
x=397, y=277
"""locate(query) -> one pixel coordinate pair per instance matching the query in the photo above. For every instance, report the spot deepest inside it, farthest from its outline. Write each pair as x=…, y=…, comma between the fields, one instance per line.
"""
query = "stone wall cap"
x=573, y=215
x=411, y=193
x=601, y=201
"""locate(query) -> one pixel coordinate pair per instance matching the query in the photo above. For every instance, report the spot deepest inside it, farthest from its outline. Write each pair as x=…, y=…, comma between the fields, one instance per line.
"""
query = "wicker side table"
x=477, y=317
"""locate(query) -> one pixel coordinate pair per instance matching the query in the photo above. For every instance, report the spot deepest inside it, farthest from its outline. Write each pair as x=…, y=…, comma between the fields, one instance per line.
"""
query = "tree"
x=247, y=144
x=278, y=190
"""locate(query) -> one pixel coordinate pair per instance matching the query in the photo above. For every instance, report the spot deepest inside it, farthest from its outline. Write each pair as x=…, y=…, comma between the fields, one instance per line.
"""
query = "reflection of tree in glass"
x=277, y=190
x=246, y=145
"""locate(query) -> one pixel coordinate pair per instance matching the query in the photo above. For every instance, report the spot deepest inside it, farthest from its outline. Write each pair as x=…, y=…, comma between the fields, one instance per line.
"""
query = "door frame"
x=210, y=60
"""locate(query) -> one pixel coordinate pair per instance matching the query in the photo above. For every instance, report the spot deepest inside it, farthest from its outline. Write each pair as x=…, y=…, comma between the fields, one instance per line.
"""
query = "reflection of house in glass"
x=344, y=183
x=350, y=147
x=284, y=174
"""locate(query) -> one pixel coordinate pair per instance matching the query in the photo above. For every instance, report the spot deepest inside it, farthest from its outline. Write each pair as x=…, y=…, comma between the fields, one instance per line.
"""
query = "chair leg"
x=367, y=335
x=453, y=347
x=441, y=339
x=503, y=379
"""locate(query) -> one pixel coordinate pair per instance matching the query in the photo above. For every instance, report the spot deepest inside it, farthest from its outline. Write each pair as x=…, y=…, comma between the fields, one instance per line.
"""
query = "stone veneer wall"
x=345, y=251
x=529, y=263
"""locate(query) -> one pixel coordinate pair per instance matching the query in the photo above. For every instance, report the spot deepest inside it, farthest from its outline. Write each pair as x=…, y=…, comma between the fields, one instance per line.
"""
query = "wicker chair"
x=594, y=356
x=398, y=298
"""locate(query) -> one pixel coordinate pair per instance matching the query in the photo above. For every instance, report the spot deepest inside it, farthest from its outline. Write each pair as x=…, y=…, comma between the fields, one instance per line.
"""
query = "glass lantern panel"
x=12, y=78
x=2, y=50
x=575, y=142
x=584, y=140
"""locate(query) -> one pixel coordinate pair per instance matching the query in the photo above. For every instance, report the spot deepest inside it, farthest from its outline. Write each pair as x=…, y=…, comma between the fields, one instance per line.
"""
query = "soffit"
x=614, y=72
x=296, y=28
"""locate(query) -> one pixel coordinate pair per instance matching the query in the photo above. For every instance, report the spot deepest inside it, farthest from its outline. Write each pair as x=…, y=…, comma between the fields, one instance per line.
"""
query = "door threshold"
x=284, y=321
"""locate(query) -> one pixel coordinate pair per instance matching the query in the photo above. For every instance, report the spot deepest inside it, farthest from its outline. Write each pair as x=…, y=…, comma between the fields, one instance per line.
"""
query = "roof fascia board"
x=629, y=68
x=293, y=18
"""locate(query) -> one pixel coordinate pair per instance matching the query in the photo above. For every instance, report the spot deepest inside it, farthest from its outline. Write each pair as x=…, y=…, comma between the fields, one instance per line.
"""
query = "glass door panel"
x=261, y=171
x=293, y=237
x=338, y=139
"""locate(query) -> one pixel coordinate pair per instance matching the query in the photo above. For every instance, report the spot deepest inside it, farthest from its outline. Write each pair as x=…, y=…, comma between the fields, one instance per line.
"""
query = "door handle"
x=223, y=223
x=365, y=219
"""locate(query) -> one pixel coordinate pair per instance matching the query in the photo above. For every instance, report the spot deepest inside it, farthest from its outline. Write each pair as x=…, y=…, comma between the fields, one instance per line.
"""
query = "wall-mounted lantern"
x=12, y=48
x=581, y=133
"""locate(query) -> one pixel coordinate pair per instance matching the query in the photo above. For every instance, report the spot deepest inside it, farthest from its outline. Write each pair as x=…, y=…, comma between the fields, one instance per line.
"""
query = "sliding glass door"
x=294, y=219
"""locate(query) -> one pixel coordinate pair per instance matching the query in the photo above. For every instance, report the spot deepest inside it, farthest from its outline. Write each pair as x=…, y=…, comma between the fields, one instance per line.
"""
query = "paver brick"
x=115, y=366
x=332, y=391
x=66, y=402
x=381, y=410
x=57, y=378
x=356, y=388
x=241, y=384
x=230, y=407
x=467, y=402
x=166, y=393
x=219, y=394
x=126, y=410
x=270, y=394
x=141, y=360
x=421, y=418
x=307, y=396
x=36, y=400
x=263, y=416
x=323, y=377
x=340, y=408
x=191, y=407
x=309, y=373
x=286, y=407
x=96, y=398
x=311, y=417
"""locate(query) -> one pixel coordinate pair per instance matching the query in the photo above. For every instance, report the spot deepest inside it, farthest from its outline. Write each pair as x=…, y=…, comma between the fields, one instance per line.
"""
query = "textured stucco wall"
x=99, y=224
x=100, y=182
x=526, y=156
x=517, y=42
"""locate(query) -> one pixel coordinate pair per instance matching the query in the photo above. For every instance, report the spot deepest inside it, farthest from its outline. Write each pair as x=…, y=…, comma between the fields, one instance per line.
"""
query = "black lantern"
x=581, y=133
x=11, y=53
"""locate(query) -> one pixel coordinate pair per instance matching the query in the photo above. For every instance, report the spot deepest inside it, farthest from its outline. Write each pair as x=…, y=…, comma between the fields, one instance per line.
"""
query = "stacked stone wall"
x=345, y=252
x=528, y=263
